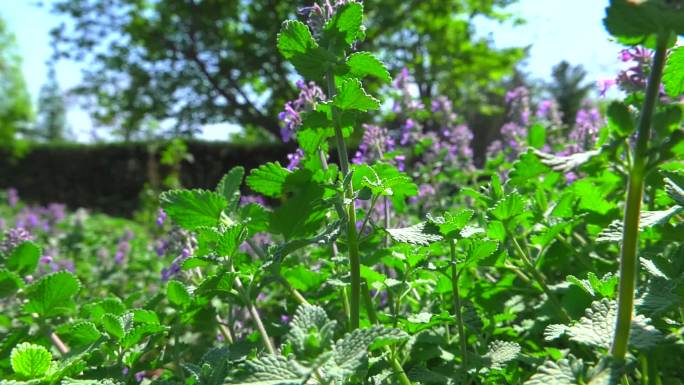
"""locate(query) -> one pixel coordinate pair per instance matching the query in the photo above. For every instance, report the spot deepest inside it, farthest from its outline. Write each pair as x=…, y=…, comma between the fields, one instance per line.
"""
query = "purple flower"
x=247, y=199
x=285, y=319
x=139, y=376
x=181, y=245
x=295, y=159
x=309, y=95
x=604, y=85
x=161, y=217
x=518, y=101
x=13, y=238
x=12, y=197
x=585, y=132
x=635, y=77
x=56, y=212
x=374, y=144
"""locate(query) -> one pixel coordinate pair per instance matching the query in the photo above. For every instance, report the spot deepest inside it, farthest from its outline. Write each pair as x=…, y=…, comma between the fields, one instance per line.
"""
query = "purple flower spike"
x=12, y=197
x=161, y=217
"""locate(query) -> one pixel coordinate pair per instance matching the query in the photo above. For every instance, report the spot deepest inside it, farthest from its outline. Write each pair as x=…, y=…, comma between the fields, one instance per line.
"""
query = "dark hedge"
x=110, y=177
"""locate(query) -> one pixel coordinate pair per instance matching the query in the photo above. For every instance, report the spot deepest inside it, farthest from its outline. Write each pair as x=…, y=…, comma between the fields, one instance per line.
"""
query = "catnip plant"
x=559, y=262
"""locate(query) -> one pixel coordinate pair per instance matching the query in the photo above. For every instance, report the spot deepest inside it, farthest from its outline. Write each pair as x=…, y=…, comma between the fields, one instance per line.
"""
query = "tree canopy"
x=189, y=63
x=15, y=102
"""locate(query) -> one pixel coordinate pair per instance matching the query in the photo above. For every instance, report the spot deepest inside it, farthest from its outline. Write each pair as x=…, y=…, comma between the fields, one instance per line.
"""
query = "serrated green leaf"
x=297, y=45
x=30, y=361
x=422, y=234
x=567, y=371
x=113, y=325
x=674, y=186
x=526, y=167
x=350, y=352
x=597, y=327
x=230, y=240
x=500, y=353
x=83, y=333
x=478, y=250
x=137, y=333
x=255, y=217
x=509, y=207
x=658, y=297
x=633, y=22
x=566, y=163
x=95, y=311
x=343, y=28
x=673, y=75
x=177, y=293
x=229, y=187
x=362, y=64
x=52, y=295
x=10, y=283
x=302, y=214
x=613, y=233
x=352, y=96
x=451, y=223
x=191, y=209
x=268, y=179
x=271, y=370
x=24, y=258
x=310, y=331
x=144, y=316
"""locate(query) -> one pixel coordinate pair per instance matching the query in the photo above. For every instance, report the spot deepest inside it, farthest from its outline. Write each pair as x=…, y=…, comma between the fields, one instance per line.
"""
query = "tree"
x=15, y=102
x=200, y=62
x=51, y=124
x=569, y=90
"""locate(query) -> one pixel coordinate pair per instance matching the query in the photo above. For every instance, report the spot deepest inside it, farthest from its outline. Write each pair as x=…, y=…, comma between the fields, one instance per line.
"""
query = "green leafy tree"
x=569, y=89
x=196, y=63
x=15, y=103
x=51, y=124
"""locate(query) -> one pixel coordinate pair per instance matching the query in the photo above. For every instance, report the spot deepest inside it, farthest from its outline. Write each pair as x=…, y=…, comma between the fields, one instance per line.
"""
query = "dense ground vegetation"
x=559, y=262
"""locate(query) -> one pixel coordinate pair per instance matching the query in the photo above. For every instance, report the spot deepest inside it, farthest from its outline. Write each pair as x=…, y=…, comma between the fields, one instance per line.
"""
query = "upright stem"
x=635, y=189
x=541, y=281
x=254, y=313
x=352, y=236
x=457, y=303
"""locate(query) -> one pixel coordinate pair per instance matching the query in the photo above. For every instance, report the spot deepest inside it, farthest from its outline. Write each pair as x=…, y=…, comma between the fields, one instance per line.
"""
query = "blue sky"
x=556, y=30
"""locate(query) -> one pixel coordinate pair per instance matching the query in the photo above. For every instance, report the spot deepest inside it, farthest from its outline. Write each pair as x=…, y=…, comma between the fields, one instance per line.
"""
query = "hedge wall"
x=110, y=177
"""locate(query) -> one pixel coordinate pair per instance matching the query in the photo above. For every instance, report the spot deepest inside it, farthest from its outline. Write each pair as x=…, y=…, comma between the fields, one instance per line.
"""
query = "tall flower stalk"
x=352, y=235
x=635, y=189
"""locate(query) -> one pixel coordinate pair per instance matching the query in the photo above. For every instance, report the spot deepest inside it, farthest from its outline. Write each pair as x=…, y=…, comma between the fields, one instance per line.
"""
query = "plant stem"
x=541, y=281
x=635, y=189
x=396, y=365
x=254, y=313
x=225, y=332
x=352, y=236
x=457, y=303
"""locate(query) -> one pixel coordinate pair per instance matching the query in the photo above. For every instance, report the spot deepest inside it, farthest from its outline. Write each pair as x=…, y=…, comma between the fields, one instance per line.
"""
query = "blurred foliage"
x=15, y=103
x=51, y=123
x=569, y=89
x=187, y=63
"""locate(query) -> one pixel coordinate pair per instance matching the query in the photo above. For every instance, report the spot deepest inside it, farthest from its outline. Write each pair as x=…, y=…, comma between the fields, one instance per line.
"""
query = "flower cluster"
x=309, y=95
x=13, y=238
x=179, y=244
x=514, y=131
x=376, y=142
x=634, y=78
x=318, y=14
